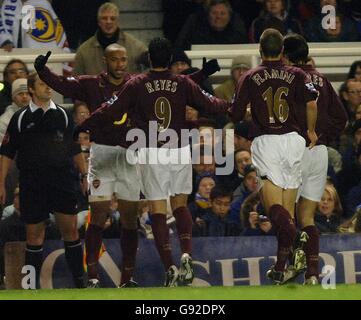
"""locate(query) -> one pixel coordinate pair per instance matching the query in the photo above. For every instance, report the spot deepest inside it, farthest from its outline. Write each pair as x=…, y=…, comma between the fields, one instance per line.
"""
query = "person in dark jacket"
x=275, y=16
x=345, y=28
x=218, y=24
x=216, y=219
x=249, y=185
x=329, y=211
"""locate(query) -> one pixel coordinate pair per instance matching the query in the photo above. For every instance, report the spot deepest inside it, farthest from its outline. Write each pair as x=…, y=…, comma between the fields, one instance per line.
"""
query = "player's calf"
x=286, y=233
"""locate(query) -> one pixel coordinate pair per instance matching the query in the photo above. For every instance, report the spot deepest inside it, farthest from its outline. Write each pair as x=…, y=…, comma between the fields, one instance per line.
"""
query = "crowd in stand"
x=220, y=205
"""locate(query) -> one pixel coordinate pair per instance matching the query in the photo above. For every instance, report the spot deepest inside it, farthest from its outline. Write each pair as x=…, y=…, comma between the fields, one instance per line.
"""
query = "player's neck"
x=115, y=81
x=271, y=59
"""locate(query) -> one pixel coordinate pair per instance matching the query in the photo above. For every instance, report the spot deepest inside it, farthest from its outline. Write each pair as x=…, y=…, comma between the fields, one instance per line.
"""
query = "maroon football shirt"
x=155, y=96
x=95, y=90
x=275, y=92
x=331, y=114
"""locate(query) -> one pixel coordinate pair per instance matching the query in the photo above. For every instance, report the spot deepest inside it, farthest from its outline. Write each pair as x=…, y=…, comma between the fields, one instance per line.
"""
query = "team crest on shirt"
x=96, y=183
x=122, y=120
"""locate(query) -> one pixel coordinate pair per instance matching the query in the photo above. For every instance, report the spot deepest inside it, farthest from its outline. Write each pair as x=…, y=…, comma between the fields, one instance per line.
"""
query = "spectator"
x=203, y=163
x=349, y=155
x=89, y=56
x=191, y=114
x=358, y=112
x=355, y=71
x=176, y=13
x=240, y=65
x=242, y=158
x=21, y=98
x=181, y=64
x=329, y=211
x=254, y=223
x=276, y=16
x=334, y=160
x=356, y=15
x=249, y=185
x=206, y=129
x=14, y=69
x=80, y=112
x=345, y=28
x=353, y=224
x=202, y=198
x=349, y=177
x=112, y=225
x=216, y=220
x=353, y=199
x=350, y=93
x=216, y=25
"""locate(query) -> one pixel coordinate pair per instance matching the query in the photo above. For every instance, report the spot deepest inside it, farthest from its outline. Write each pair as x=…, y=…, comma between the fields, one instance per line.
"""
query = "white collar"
x=34, y=107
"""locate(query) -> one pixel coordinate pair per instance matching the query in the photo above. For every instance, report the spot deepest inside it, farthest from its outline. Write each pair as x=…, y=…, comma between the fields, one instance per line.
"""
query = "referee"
x=40, y=137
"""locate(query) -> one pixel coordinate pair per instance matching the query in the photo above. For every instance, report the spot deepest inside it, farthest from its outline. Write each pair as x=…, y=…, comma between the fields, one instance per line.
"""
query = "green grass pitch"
x=286, y=292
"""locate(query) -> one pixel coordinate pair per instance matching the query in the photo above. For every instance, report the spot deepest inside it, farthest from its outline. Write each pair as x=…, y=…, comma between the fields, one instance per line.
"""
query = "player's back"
x=331, y=115
x=275, y=91
x=161, y=97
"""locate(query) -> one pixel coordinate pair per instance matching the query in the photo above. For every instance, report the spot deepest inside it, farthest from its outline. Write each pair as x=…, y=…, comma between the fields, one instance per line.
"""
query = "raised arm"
x=67, y=86
x=204, y=102
x=241, y=99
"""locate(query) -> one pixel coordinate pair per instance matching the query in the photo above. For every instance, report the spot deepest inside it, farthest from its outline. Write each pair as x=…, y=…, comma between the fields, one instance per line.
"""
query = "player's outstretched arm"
x=209, y=67
x=203, y=101
x=241, y=100
x=67, y=86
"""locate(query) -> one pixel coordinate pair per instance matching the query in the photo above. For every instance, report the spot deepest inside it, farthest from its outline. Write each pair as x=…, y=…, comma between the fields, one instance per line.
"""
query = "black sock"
x=34, y=257
x=74, y=258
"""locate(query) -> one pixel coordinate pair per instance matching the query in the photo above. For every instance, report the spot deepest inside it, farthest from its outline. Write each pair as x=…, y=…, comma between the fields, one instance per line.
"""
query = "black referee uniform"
x=44, y=150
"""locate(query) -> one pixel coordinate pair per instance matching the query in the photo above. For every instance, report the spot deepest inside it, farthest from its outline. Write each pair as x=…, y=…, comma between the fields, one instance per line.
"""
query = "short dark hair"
x=353, y=68
x=295, y=48
x=12, y=61
x=78, y=104
x=220, y=192
x=213, y=3
x=271, y=43
x=160, y=52
x=31, y=81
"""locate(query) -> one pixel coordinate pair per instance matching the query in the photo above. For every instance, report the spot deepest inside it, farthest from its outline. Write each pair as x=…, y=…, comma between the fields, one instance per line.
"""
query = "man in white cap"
x=240, y=65
x=20, y=98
